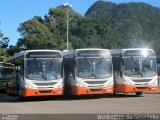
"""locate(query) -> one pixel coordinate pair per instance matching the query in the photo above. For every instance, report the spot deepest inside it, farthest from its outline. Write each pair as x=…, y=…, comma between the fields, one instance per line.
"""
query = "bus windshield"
x=139, y=66
x=94, y=67
x=44, y=69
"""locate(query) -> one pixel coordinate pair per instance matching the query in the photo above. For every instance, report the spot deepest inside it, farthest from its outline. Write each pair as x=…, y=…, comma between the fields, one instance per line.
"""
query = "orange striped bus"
x=36, y=73
x=88, y=71
x=5, y=68
x=135, y=71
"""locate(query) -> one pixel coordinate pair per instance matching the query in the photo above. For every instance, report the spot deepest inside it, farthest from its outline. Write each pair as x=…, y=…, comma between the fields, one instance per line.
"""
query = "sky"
x=15, y=12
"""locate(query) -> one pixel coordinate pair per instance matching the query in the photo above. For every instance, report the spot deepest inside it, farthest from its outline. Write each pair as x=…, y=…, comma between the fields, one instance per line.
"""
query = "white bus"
x=4, y=77
x=36, y=73
x=88, y=71
x=2, y=81
x=1, y=78
x=135, y=71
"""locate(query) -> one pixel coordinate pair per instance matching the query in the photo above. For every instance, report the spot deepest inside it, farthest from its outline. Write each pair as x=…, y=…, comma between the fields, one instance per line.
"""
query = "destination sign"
x=139, y=53
x=92, y=53
x=44, y=55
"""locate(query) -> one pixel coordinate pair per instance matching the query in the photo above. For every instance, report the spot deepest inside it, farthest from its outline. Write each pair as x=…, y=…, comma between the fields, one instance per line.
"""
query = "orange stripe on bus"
x=84, y=91
x=122, y=88
x=44, y=92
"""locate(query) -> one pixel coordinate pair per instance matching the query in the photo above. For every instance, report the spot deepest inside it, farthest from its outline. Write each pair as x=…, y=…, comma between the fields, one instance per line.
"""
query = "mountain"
x=136, y=24
x=104, y=25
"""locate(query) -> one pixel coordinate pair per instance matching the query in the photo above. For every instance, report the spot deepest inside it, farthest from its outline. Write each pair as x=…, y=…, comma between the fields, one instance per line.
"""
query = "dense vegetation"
x=105, y=25
x=3, y=46
x=135, y=24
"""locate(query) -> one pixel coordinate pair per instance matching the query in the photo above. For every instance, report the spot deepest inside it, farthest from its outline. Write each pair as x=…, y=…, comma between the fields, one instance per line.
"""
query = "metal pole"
x=67, y=27
x=67, y=5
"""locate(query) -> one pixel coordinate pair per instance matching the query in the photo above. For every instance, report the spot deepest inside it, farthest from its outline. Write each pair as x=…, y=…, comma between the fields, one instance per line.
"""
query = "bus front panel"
x=43, y=74
x=93, y=73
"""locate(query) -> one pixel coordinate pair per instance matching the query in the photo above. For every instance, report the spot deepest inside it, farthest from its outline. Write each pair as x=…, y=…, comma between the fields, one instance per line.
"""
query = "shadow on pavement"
x=4, y=98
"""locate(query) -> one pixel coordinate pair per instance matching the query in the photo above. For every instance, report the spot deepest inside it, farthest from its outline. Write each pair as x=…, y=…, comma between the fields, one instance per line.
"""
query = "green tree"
x=133, y=25
x=12, y=50
x=56, y=20
x=4, y=41
x=105, y=25
x=35, y=35
x=95, y=32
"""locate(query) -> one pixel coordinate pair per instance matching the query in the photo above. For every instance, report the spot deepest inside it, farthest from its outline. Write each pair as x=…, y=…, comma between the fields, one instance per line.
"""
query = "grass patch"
x=158, y=87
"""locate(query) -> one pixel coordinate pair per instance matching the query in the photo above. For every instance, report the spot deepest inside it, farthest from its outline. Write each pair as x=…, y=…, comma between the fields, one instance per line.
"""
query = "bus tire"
x=67, y=93
x=8, y=91
x=21, y=98
x=139, y=93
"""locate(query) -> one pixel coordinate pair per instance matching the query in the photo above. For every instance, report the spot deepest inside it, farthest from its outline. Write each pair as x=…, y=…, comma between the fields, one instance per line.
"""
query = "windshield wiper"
x=100, y=60
x=38, y=66
x=51, y=62
x=55, y=75
x=135, y=62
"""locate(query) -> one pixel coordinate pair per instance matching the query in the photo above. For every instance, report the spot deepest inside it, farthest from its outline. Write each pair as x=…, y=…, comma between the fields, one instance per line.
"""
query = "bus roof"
x=119, y=51
x=22, y=53
x=116, y=51
x=68, y=52
x=73, y=51
x=137, y=49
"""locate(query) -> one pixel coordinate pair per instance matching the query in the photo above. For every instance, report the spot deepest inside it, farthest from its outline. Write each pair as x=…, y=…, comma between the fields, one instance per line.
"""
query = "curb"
x=152, y=92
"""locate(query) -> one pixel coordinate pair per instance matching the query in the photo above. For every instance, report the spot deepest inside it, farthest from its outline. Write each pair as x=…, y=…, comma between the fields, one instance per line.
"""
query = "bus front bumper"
x=42, y=92
x=122, y=88
x=76, y=90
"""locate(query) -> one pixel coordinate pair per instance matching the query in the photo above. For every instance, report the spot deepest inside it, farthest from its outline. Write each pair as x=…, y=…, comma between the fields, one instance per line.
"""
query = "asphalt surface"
x=106, y=104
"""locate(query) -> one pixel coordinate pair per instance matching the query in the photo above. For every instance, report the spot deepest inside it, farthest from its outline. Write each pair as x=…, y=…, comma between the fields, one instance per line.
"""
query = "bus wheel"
x=21, y=98
x=8, y=91
x=139, y=93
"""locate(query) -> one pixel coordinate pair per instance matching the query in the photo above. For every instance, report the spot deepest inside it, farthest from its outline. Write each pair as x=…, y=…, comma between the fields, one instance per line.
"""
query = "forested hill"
x=135, y=24
x=105, y=25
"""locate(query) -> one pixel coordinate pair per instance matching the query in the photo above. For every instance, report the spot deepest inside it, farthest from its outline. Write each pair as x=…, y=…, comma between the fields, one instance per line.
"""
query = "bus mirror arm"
x=120, y=73
x=70, y=75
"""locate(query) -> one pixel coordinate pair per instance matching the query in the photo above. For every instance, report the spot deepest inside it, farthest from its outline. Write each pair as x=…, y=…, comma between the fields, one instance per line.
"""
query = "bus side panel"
x=119, y=87
x=15, y=74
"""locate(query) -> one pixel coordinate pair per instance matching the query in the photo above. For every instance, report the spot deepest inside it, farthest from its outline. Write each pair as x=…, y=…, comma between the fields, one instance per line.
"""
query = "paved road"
x=148, y=103
x=119, y=104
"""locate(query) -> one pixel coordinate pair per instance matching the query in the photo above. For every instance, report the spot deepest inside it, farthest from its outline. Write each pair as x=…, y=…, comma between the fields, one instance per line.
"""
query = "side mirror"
x=122, y=62
x=120, y=73
x=70, y=75
x=116, y=74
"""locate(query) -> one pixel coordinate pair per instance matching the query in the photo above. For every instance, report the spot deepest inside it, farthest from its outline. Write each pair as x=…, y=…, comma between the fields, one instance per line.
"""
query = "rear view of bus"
x=38, y=73
x=137, y=71
x=2, y=80
x=88, y=71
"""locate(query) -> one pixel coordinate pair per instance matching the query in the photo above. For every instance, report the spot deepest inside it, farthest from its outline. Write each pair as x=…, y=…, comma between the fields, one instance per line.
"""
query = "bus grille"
x=45, y=84
x=95, y=82
x=95, y=90
x=144, y=80
x=141, y=88
x=45, y=91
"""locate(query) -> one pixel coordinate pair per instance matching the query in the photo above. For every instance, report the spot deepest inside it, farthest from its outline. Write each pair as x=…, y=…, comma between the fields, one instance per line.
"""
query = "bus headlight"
x=82, y=84
x=58, y=85
x=109, y=83
x=30, y=85
x=154, y=82
x=128, y=82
